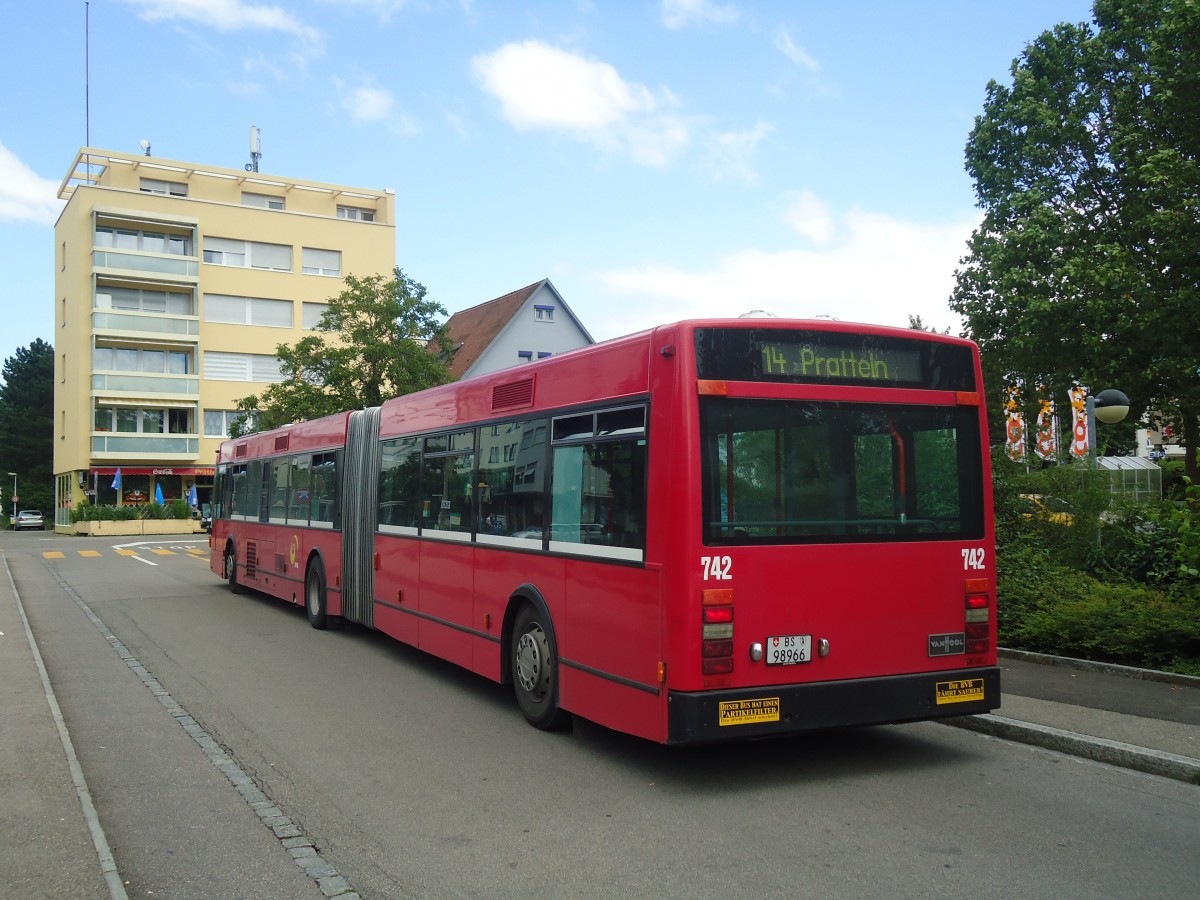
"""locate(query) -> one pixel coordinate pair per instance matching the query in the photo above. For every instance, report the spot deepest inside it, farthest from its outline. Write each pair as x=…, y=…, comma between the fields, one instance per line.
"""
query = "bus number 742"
x=716, y=567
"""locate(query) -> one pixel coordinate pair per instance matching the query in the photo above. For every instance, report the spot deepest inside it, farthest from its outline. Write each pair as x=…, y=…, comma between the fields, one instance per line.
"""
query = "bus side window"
x=512, y=461
x=598, y=489
x=599, y=494
x=300, y=490
x=399, y=482
x=324, y=474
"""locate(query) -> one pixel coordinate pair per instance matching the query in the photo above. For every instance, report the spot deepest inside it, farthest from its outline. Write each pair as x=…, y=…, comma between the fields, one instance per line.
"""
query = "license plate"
x=789, y=649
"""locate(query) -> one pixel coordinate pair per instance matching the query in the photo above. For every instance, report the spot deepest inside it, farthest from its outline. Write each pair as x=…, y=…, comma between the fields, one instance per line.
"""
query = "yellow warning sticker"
x=959, y=691
x=748, y=712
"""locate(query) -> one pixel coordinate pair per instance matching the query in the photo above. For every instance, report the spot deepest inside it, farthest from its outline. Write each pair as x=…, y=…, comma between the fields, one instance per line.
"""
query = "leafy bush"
x=88, y=512
x=1121, y=583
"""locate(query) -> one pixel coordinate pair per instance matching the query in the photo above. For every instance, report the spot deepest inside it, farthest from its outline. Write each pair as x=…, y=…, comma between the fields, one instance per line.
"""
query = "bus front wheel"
x=315, y=602
x=231, y=569
x=535, y=670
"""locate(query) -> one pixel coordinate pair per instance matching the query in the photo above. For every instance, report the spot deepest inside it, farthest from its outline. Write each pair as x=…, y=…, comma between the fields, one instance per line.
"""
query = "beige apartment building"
x=174, y=283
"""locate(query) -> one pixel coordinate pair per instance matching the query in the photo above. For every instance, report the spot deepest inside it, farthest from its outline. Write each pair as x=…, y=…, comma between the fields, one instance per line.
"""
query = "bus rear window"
x=809, y=472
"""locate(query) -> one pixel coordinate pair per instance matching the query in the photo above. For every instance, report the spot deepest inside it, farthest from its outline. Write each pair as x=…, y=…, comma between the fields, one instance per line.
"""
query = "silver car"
x=29, y=518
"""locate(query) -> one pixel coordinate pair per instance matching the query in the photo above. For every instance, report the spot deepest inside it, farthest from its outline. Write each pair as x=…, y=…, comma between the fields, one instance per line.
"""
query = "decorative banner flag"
x=116, y=482
x=158, y=497
x=1079, y=440
x=1014, y=444
x=193, y=500
x=1046, y=446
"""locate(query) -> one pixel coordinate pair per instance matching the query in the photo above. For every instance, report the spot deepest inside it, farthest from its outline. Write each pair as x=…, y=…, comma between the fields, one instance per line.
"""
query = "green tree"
x=27, y=427
x=1086, y=267
x=379, y=338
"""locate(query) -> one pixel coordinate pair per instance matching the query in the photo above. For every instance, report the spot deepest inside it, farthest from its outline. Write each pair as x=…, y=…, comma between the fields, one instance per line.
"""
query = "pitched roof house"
x=531, y=323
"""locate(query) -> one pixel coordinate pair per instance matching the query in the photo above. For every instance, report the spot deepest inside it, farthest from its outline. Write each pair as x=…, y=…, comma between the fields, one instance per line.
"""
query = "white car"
x=29, y=518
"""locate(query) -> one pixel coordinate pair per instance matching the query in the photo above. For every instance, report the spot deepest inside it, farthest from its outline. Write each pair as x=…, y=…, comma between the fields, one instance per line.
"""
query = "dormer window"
x=543, y=313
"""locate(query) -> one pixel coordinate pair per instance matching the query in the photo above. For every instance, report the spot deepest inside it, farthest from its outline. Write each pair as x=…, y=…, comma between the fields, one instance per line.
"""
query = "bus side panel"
x=498, y=575
x=300, y=546
x=396, y=583
x=609, y=647
x=445, y=601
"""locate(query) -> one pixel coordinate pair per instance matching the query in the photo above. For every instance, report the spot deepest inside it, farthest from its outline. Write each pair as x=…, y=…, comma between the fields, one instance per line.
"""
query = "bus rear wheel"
x=535, y=670
x=315, y=601
x=231, y=569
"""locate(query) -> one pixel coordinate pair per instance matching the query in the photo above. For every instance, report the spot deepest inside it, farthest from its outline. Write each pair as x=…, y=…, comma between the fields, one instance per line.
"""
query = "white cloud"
x=24, y=195
x=369, y=104
x=383, y=9
x=808, y=216
x=230, y=15
x=879, y=269
x=540, y=86
x=544, y=88
x=730, y=155
x=801, y=57
x=678, y=14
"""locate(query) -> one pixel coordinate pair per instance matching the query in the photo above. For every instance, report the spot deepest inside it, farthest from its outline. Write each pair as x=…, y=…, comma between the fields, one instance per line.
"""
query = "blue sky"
x=656, y=159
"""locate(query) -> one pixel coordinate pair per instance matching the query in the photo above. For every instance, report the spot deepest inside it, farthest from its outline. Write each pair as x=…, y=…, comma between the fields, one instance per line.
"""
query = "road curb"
x=1087, y=665
x=1141, y=759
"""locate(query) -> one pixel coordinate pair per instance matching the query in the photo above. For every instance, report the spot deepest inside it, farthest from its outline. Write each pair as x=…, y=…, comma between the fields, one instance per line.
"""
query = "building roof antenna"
x=255, y=148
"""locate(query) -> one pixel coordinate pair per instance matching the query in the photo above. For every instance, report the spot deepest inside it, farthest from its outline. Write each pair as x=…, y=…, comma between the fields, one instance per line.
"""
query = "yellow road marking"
x=53, y=554
x=125, y=552
x=162, y=551
x=89, y=552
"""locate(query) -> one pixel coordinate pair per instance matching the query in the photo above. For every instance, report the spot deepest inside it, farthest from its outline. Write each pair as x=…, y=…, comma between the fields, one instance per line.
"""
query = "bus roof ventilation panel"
x=513, y=395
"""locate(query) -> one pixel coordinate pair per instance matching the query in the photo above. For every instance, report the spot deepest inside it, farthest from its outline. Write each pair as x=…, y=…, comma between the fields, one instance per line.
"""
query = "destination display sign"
x=837, y=361
x=834, y=358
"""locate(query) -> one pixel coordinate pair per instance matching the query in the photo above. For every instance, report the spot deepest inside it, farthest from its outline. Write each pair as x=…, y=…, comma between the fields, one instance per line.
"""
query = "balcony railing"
x=147, y=384
x=126, y=322
x=149, y=444
x=141, y=262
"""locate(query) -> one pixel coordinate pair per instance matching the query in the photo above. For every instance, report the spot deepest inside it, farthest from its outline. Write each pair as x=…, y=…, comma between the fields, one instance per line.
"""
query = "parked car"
x=29, y=518
x=1049, y=509
x=203, y=515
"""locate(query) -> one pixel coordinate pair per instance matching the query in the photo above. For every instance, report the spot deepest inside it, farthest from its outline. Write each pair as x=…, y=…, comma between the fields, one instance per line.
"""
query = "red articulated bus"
x=712, y=530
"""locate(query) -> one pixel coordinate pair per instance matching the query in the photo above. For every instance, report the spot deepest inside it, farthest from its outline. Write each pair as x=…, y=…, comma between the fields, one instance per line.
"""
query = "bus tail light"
x=977, y=616
x=716, y=643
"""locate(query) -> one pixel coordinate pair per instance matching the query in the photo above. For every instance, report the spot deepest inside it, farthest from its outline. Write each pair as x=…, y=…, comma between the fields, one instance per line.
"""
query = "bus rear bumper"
x=741, y=713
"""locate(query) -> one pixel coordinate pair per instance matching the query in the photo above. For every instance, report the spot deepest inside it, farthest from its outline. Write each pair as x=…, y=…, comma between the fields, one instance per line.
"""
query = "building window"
x=310, y=315
x=142, y=420
x=322, y=262
x=256, y=367
x=218, y=421
x=132, y=359
x=170, y=188
x=543, y=313
x=248, y=311
x=263, y=201
x=356, y=214
x=129, y=299
x=118, y=238
x=248, y=254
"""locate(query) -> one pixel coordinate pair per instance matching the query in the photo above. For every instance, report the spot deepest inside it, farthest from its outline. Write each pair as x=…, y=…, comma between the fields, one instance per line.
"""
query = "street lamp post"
x=1110, y=407
x=14, y=518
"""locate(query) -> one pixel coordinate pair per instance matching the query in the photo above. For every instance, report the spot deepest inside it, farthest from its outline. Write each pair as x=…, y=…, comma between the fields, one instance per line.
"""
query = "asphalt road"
x=416, y=779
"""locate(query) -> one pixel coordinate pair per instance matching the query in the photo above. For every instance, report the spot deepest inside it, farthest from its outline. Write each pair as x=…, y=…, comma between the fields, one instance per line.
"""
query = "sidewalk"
x=1135, y=718
x=179, y=814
